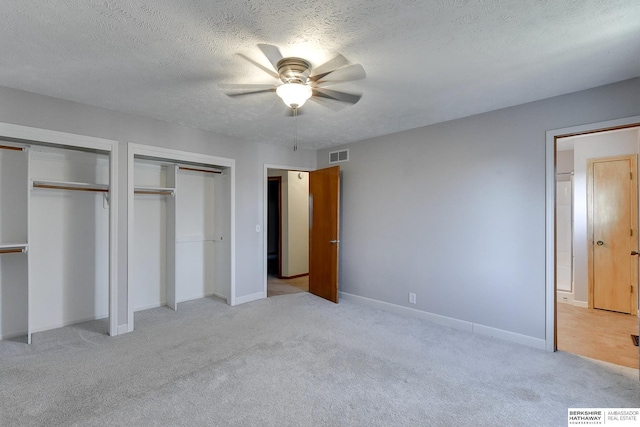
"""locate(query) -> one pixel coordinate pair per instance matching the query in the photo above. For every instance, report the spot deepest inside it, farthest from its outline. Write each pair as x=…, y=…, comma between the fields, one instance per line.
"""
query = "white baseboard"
x=568, y=298
x=398, y=309
x=248, y=298
x=564, y=297
x=124, y=329
x=448, y=321
x=538, y=343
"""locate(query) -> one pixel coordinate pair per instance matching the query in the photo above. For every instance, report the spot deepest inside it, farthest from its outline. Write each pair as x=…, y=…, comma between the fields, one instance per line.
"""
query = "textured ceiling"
x=427, y=61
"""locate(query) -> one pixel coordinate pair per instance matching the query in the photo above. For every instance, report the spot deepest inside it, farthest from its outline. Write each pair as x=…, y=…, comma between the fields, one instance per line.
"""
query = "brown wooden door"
x=613, y=223
x=324, y=232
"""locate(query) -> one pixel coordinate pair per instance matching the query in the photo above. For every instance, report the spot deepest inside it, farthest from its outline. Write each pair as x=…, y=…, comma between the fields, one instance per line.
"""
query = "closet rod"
x=199, y=170
x=11, y=147
x=168, y=193
x=11, y=251
x=67, y=187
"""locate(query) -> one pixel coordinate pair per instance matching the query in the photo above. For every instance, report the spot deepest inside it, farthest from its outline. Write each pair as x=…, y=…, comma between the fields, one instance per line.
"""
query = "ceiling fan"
x=298, y=81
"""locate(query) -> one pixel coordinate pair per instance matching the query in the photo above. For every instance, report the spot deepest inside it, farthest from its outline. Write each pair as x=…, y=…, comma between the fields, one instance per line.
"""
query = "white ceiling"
x=427, y=61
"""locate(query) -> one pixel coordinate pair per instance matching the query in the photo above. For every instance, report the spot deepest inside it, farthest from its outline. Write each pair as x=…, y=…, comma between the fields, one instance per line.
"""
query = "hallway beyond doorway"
x=598, y=334
x=276, y=287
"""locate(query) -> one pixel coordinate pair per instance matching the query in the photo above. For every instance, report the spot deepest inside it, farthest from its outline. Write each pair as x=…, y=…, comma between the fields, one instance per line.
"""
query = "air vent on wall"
x=339, y=156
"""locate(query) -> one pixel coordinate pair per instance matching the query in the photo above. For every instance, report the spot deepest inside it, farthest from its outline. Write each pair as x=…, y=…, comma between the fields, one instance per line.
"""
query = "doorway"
x=578, y=326
x=287, y=232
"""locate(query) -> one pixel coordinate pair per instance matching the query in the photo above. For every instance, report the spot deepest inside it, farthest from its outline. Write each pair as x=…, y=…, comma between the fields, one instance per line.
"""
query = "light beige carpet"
x=295, y=360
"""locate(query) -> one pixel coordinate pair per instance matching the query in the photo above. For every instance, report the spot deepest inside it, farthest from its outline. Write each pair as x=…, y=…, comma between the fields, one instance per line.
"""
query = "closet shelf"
x=13, y=248
x=163, y=191
x=75, y=186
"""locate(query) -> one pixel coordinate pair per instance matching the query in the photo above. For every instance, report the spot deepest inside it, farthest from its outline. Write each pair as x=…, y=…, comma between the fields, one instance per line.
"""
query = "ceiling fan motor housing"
x=294, y=70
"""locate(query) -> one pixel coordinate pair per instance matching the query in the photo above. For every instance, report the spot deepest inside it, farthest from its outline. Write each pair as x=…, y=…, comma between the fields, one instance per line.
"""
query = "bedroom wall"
x=28, y=109
x=455, y=212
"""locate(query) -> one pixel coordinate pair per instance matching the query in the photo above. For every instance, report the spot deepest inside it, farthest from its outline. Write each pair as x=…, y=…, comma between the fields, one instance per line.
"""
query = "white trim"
x=51, y=137
x=113, y=241
x=46, y=136
x=175, y=156
x=448, y=321
x=265, y=203
x=248, y=298
x=123, y=329
x=538, y=343
x=550, y=284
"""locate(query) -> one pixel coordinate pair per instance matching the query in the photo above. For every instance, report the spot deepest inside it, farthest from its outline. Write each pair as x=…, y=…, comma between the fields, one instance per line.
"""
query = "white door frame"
x=265, y=203
x=550, y=258
x=55, y=138
x=176, y=156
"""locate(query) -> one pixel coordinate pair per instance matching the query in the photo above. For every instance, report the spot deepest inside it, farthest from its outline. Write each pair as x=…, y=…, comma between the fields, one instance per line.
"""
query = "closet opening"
x=180, y=228
x=57, y=232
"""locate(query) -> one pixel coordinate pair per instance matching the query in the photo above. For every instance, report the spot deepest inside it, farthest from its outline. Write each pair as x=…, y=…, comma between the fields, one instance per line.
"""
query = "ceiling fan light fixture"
x=294, y=95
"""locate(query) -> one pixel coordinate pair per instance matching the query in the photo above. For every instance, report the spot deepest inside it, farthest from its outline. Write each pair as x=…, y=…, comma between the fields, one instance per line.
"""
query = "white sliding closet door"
x=196, y=238
x=154, y=238
x=69, y=240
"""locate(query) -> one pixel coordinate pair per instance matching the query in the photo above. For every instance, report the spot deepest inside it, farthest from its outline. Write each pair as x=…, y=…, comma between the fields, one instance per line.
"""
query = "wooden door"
x=324, y=232
x=612, y=210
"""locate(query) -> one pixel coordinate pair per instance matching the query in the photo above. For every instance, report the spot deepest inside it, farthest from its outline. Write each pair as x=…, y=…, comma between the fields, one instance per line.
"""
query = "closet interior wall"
x=69, y=239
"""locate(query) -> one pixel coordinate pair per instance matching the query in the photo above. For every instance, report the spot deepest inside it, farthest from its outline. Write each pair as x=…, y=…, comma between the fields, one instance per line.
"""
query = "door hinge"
x=631, y=176
x=631, y=288
x=632, y=232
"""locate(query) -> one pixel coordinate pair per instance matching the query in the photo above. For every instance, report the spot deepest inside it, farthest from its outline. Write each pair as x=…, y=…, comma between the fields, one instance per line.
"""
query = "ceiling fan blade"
x=350, y=98
x=262, y=67
x=327, y=103
x=336, y=62
x=272, y=53
x=245, y=86
x=251, y=92
x=344, y=74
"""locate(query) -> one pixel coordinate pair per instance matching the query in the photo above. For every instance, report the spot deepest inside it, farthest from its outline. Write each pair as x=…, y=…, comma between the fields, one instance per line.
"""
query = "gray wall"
x=27, y=109
x=455, y=212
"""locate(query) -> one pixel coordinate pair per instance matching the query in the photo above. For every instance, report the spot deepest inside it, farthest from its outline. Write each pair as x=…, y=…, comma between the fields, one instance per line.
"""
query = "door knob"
x=599, y=243
x=635, y=253
x=334, y=242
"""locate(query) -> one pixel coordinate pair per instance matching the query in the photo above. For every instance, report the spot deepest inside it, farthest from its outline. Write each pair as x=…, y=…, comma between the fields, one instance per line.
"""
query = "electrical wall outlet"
x=412, y=298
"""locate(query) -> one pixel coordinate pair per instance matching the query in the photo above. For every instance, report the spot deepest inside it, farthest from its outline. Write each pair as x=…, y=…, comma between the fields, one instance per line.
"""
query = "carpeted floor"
x=295, y=360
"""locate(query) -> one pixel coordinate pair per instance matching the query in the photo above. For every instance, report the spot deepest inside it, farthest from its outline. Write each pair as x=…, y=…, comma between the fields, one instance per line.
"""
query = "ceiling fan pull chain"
x=295, y=129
